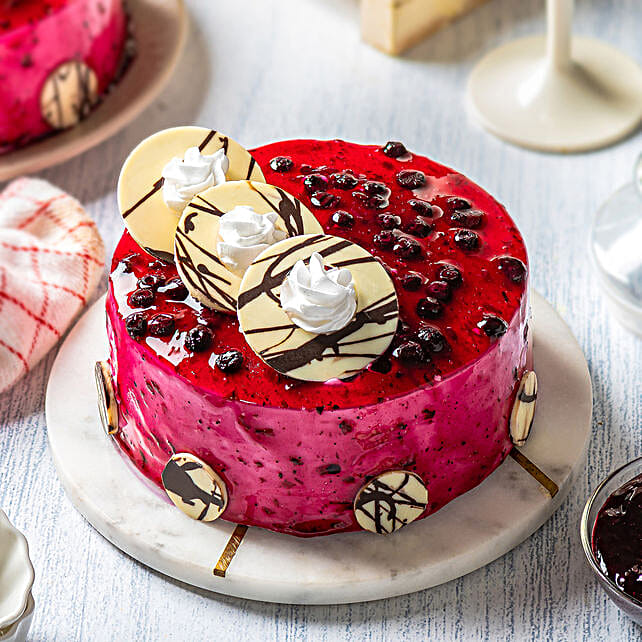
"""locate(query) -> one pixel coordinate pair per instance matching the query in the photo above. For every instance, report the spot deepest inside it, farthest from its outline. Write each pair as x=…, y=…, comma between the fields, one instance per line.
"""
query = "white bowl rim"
x=22, y=592
x=8, y=634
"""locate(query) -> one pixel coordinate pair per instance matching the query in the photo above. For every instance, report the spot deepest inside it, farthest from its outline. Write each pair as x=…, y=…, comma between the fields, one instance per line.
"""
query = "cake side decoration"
x=167, y=170
x=194, y=487
x=107, y=407
x=225, y=228
x=326, y=353
x=523, y=412
x=68, y=95
x=390, y=501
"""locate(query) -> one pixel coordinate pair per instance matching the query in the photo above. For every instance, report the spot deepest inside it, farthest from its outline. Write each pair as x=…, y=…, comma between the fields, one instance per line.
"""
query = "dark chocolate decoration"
x=194, y=487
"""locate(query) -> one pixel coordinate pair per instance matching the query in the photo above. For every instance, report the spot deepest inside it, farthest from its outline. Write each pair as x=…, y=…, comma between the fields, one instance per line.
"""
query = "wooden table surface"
x=270, y=69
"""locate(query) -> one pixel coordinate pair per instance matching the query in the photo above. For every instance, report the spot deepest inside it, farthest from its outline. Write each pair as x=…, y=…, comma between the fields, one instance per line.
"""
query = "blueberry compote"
x=617, y=537
x=404, y=209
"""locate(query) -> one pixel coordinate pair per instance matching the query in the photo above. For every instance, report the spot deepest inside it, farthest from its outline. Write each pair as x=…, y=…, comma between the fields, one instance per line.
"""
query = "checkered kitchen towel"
x=51, y=259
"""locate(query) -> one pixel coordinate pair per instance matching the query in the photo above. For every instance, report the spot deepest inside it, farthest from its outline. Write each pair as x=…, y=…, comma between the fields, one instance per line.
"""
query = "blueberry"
x=494, y=327
x=141, y=298
x=136, y=325
x=230, y=361
x=429, y=308
x=409, y=352
x=466, y=240
x=411, y=178
x=315, y=182
x=411, y=281
x=421, y=207
x=198, y=339
x=174, y=290
x=406, y=248
x=375, y=187
x=344, y=180
x=324, y=200
x=439, y=290
x=385, y=239
x=418, y=227
x=341, y=218
x=373, y=202
x=394, y=149
x=389, y=221
x=153, y=281
x=281, y=164
x=471, y=219
x=456, y=203
x=451, y=274
x=432, y=339
x=161, y=325
x=513, y=268
x=382, y=365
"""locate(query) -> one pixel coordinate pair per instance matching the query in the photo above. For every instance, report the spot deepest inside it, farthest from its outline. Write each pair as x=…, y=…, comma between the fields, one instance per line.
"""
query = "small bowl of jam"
x=611, y=533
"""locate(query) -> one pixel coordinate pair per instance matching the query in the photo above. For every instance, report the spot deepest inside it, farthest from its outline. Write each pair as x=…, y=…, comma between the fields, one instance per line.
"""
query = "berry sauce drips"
x=617, y=537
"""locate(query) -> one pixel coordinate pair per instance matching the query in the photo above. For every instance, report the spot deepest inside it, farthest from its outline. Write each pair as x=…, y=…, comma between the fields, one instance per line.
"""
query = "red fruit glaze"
x=446, y=419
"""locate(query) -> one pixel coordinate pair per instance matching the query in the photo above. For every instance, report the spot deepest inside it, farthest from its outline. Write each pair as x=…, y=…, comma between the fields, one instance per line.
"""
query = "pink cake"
x=293, y=455
x=57, y=58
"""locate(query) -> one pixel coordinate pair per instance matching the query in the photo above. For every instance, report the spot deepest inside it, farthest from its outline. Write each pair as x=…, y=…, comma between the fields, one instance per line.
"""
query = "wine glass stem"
x=558, y=45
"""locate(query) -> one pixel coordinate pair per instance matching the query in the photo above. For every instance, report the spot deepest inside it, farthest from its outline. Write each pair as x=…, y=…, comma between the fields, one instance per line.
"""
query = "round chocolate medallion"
x=210, y=263
x=171, y=165
x=390, y=501
x=523, y=413
x=281, y=341
x=194, y=487
x=107, y=407
x=68, y=95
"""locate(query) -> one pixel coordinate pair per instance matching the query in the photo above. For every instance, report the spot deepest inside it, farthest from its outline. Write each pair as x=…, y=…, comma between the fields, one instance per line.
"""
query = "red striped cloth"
x=51, y=259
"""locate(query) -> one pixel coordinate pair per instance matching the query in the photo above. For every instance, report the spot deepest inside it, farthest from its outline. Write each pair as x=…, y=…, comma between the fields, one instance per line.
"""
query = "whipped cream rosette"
x=166, y=171
x=224, y=229
x=317, y=307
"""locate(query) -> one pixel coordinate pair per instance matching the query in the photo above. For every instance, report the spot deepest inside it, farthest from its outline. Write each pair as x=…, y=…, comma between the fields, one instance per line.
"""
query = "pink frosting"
x=275, y=461
x=33, y=42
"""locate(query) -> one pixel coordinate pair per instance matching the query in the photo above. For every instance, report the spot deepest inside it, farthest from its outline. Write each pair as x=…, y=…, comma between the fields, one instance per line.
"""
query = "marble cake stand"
x=469, y=532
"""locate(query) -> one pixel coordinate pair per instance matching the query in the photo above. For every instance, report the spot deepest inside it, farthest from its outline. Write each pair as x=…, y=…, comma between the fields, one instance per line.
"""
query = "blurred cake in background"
x=57, y=59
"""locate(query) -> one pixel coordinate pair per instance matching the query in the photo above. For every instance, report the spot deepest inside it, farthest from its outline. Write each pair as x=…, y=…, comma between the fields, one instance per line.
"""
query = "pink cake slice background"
x=37, y=36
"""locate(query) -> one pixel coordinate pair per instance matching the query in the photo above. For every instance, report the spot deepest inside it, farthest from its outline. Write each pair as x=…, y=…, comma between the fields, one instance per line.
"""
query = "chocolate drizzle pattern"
x=194, y=487
x=205, y=275
x=68, y=95
x=107, y=407
x=300, y=354
x=390, y=501
x=523, y=412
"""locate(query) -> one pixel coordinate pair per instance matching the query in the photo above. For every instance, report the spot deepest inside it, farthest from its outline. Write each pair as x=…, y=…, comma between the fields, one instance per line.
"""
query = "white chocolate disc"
x=206, y=277
x=297, y=353
x=149, y=220
x=521, y=417
x=194, y=487
x=107, y=407
x=390, y=501
x=68, y=95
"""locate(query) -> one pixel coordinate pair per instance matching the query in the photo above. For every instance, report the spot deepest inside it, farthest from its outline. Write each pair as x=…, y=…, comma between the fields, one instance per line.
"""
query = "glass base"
x=616, y=247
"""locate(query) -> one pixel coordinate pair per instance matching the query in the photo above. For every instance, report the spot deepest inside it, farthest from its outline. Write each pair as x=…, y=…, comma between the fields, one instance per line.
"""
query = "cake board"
x=468, y=533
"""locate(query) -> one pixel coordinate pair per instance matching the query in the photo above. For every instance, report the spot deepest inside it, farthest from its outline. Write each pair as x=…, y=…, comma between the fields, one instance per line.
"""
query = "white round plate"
x=159, y=28
x=471, y=531
x=515, y=94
